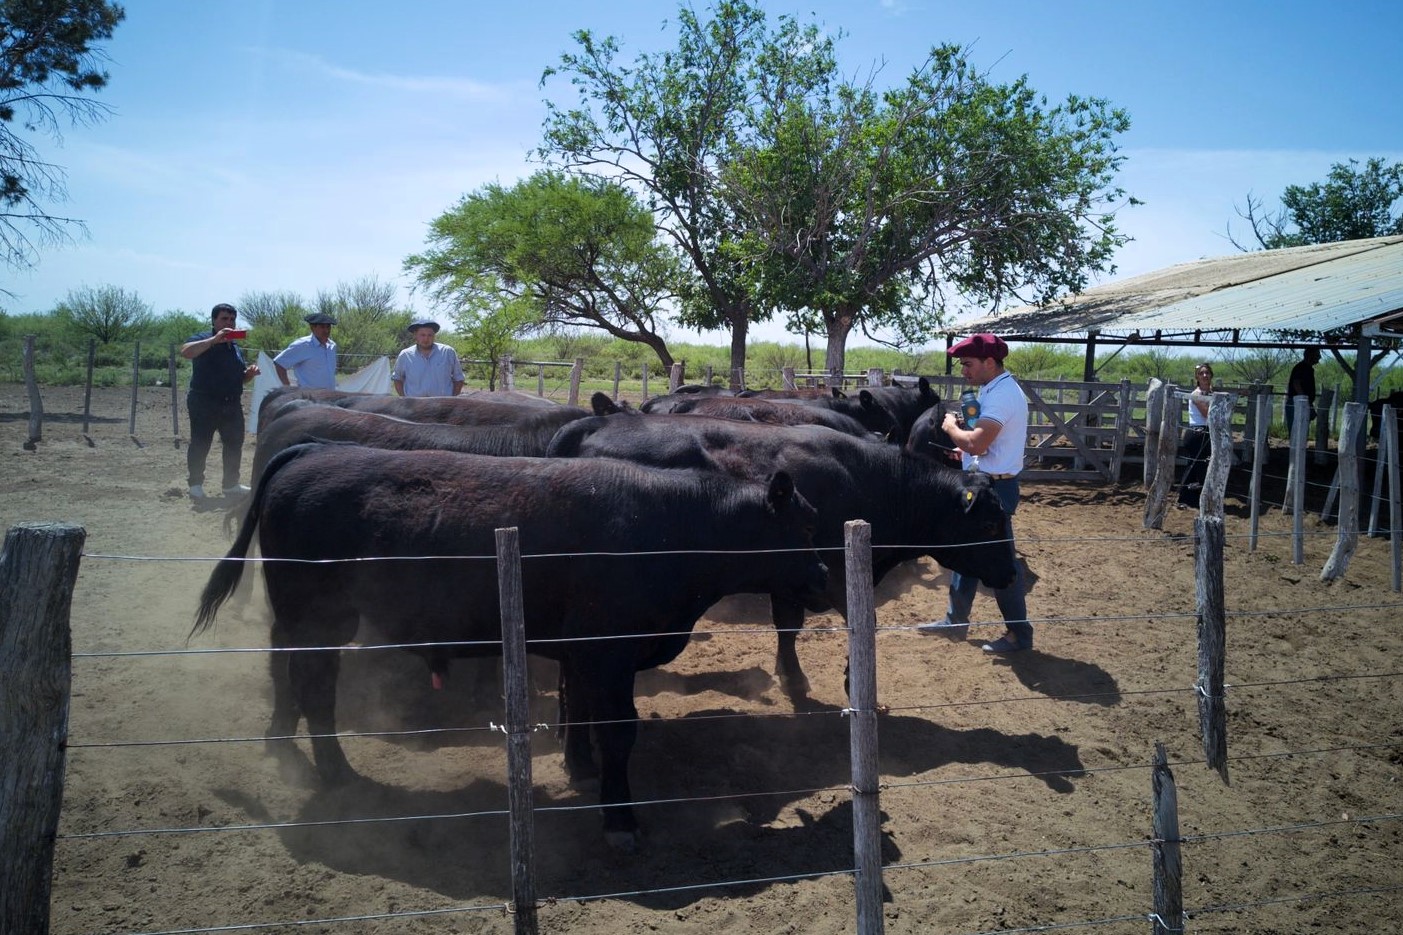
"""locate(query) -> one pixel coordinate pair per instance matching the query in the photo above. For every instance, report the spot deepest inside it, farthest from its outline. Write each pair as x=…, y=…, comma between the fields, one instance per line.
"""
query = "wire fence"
x=1387, y=748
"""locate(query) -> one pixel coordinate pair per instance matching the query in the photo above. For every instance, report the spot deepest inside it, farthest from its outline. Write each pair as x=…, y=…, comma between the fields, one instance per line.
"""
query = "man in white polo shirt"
x=311, y=357
x=427, y=368
x=994, y=445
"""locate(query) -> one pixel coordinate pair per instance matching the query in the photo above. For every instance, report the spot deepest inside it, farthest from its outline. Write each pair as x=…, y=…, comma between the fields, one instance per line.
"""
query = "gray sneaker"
x=197, y=492
x=238, y=490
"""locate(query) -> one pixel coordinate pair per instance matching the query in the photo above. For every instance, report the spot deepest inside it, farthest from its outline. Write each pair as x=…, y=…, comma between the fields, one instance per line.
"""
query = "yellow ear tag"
x=969, y=497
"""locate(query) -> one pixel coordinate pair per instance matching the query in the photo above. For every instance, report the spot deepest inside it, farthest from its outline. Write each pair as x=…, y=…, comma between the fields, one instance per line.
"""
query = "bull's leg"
x=788, y=617
x=609, y=684
x=313, y=677
x=575, y=726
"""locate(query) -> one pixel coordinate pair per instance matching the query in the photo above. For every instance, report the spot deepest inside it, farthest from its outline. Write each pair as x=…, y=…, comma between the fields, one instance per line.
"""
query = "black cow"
x=659, y=405
x=915, y=505
x=770, y=412
x=619, y=562
x=906, y=403
x=310, y=422
x=863, y=407
x=928, y=437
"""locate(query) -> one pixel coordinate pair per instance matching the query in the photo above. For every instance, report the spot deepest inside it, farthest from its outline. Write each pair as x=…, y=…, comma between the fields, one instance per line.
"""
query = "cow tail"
x=225, y=577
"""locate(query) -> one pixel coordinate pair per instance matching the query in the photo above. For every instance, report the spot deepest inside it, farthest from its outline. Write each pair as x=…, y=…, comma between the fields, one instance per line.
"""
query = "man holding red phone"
x=215, y=400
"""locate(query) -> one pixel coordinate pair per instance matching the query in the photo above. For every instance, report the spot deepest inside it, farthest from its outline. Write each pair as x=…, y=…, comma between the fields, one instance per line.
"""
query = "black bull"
x=916, y=505
x=603, y=616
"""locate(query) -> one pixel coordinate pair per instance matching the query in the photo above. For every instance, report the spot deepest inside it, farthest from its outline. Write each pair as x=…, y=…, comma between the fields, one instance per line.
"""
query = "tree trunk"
x=740, y=328
x=840, y=325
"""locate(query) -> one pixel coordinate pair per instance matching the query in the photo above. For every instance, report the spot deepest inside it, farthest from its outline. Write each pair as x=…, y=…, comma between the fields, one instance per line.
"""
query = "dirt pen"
x=1013, y=794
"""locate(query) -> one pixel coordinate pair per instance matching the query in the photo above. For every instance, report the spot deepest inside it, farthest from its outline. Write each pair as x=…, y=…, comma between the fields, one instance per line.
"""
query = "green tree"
x=367, y=321
x=1351, y=204
x=579, y=252
x=47, y=67
x=867, y=210
x=487, y=333
x=108, y=313
x=666, y=123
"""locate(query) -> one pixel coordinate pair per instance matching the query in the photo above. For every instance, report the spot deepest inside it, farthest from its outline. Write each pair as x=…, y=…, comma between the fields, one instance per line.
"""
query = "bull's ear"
x=603, y=405
x=838, y=393
x=924, y=385
x=867, y=399
x=781, y=490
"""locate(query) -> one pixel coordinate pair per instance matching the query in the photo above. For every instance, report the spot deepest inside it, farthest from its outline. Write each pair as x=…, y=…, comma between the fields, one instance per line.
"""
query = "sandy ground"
x=1040, y=760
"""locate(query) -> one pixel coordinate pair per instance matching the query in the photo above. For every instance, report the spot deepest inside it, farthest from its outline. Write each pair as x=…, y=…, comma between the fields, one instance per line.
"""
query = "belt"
x=1003, y=476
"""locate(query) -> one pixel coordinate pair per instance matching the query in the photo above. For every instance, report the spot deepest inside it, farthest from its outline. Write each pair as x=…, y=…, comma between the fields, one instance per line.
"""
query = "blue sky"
x=271, y=145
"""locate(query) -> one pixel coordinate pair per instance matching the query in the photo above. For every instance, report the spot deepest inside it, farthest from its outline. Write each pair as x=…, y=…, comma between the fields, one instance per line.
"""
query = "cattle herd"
x=632, y=523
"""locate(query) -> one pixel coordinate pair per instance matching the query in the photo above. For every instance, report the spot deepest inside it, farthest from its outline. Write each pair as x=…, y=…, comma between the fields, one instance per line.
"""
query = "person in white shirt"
x=311, y=358
x=427, y=368
x=993, y=444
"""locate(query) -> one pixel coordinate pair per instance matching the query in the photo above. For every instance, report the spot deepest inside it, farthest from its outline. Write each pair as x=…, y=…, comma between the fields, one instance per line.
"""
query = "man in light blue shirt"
x=427, y=368
x=311, y=358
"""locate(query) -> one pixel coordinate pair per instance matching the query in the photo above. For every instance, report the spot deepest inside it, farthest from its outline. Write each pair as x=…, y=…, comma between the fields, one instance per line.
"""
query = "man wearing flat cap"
x=427, y=368
x=993, y=444
x=311, y=358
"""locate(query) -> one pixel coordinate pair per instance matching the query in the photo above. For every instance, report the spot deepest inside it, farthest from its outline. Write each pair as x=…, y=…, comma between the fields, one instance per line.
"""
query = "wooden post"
x=1123, y=410
x=540, y=379
x=787, y=378
x=618, y=378
x=1322, y=426
x=1157, y=503
x=1168, y=887
x=674, y=377
x=1296, y=478
x=645, y=380
x=875, y=376
x=175, y=399
x=576, y=372
x=1388, y=438
x=136, y=386
x=36, y=402
x=709, y=374
x=862, y=732
x=1347, y=538
x=516, y=682
x=1154, y=412
x=1212, y=639
x=88, y=391
x=508, y=373
x=1259, y=459
x=38, y=567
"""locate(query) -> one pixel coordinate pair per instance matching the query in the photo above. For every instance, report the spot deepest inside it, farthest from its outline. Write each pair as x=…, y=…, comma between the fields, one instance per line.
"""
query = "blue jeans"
x=1012, y=600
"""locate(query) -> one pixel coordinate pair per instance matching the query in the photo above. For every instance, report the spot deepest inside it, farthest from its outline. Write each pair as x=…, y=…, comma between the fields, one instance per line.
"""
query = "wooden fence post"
x=1388, y=439
x=1259, y=458
x=38, y=567
x=175, y=400
x=618, y=378
x=36, y=402
x=674, y=377
x=576, y=372
x=1347, y=538
x=1164, y=847
x=862, y=731
x=1154, y=412
x=1296, y=478
x=787, y=378
x=1157, y=503
x=136, y=386
x=88, y=391
x=645, y=381
x=516, y=683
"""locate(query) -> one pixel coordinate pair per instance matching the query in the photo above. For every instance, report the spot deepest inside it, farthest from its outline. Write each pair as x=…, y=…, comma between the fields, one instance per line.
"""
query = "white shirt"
x=1001, y=400
x=313, y=363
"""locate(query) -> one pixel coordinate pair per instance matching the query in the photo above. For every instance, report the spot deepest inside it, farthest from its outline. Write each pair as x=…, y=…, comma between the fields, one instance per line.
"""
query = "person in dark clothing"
x=1302, y=383
x=215, y=400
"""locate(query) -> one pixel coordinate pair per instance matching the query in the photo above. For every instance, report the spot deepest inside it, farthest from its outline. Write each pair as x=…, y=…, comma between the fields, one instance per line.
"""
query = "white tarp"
x=372, y=378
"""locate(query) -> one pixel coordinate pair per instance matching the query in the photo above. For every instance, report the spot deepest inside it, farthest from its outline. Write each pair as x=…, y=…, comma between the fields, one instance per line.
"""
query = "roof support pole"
x=1088, y=370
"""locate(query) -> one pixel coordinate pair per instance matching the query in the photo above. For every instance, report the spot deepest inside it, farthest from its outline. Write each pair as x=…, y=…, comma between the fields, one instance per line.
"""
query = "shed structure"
x=1342, y=296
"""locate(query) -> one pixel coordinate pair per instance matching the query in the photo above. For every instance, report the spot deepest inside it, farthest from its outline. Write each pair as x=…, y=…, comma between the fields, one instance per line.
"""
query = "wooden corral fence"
x=47, y=556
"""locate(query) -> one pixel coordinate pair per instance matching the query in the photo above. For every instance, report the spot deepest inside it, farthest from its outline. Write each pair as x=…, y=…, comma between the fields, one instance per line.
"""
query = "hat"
x=418, y=323
x=980, y=345
x=319, y=318
x=223, y=307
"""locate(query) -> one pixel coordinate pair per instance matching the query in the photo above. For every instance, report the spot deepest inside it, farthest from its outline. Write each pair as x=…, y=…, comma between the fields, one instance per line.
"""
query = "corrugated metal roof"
x=1318, y=288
